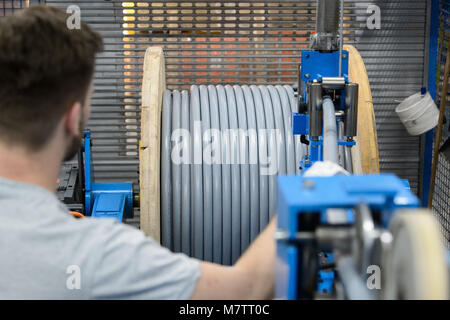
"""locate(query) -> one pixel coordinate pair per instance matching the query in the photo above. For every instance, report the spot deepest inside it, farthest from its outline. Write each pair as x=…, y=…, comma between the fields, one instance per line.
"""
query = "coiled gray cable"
x=244, y=166
x=176, y=175
x=216, y=155
x=196, y=176
x=262, y=156
x=221, y=150
x=185, y=178
x=207, y=177
x=166, y=188
x=235, y=174
x=226, y=176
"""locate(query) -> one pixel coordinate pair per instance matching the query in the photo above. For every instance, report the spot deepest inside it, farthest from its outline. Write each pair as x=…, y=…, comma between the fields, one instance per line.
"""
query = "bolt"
x=307, y=76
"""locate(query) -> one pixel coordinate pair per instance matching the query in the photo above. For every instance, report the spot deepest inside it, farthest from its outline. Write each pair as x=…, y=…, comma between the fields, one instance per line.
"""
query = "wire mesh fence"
x=441, y=196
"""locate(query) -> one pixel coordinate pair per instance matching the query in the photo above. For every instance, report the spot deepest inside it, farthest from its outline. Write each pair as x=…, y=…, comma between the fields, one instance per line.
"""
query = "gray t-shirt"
x=45, y=253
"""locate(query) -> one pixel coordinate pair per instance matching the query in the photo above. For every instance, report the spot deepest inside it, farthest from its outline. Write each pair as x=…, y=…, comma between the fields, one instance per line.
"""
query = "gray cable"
x=176, y=174
x=244, y=166
x=253, y=163
x=330, y=148
x=279, y=125
x=235, y=175
x=216, y=174
x=185, y=178
x=340, y=128
x=287, y=114
x=299, y=146
x=211, y=210
x=166, y=186
x=262, y=157
x=272, y=149
x=226, y=176
x=348, y=159
x=196, y=175
x=207, y=177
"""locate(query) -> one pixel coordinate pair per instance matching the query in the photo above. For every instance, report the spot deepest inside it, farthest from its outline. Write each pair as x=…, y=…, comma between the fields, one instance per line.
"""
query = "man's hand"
x=252, y=277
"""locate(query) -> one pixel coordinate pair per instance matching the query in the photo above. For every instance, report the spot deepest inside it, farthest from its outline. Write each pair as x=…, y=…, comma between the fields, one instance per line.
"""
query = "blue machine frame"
x=383, y=193
x=297, y=195
x=432, y=69
x=315, y=66
x=105, y=199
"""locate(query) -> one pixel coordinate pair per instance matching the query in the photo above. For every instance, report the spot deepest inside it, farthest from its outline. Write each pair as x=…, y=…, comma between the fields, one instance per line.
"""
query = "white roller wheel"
x=415, y=267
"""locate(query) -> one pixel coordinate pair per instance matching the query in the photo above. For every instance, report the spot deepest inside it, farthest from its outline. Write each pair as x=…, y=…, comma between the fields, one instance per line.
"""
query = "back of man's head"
x=45, y=68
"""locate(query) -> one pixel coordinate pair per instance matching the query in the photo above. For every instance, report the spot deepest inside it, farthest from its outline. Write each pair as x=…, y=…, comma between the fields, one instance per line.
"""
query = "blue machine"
x=324, y=75
x=308, y=208
x=304, y=205
x=105, y=199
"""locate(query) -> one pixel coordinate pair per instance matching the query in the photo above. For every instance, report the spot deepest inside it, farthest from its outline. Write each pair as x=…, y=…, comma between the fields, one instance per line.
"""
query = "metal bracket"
x=105, y=199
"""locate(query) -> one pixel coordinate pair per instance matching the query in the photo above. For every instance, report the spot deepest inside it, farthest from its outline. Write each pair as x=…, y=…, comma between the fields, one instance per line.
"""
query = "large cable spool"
x=365, y=154
x=212, y=211
x=236, y=141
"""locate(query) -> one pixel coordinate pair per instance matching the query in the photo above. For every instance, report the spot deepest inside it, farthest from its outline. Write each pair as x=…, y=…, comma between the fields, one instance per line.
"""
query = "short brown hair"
x=45, y=67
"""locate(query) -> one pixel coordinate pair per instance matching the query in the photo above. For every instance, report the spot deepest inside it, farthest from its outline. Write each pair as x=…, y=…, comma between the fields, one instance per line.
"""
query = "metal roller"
x=315, y=109
x=351, y=109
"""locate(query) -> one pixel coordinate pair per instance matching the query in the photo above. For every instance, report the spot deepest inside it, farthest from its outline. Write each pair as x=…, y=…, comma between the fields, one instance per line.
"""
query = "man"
x=46, y=75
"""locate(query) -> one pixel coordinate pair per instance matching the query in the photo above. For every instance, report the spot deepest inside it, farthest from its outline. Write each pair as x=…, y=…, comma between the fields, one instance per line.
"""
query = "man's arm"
x=252, y=277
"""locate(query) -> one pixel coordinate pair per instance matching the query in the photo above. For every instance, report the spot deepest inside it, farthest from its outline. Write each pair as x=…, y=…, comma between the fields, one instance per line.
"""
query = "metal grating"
x=239, y=42
x=8, y=7
x=441, y=196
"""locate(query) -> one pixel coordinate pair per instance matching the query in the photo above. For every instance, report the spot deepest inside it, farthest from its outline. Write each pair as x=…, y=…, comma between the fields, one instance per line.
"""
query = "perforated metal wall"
x=441, y=196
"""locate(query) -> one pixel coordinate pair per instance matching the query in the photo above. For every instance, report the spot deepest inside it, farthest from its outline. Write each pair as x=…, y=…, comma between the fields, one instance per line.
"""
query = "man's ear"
x=73, y=119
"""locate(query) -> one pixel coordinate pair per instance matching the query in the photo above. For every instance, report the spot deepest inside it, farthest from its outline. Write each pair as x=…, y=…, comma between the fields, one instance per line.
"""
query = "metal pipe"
x=327, y=26
x=330, y=142
x=327, y=16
